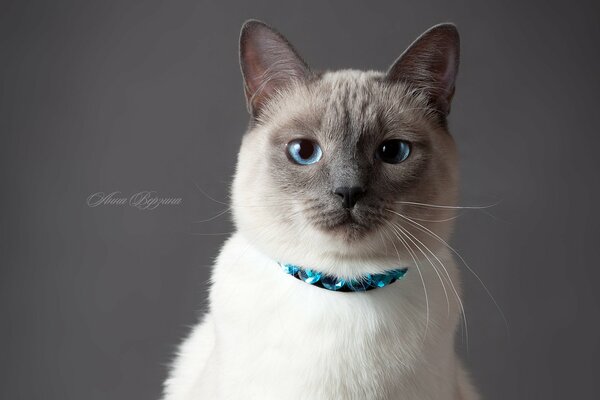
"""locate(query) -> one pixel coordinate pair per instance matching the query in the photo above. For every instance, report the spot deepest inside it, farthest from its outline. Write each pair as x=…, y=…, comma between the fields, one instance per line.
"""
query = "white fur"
x=270, y=336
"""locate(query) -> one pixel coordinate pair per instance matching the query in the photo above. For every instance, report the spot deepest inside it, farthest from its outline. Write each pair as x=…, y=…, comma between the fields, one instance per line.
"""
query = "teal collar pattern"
x=336, y=284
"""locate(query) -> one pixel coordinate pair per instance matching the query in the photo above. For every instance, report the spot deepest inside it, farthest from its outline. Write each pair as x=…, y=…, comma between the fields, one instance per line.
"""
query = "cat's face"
x=331, y=162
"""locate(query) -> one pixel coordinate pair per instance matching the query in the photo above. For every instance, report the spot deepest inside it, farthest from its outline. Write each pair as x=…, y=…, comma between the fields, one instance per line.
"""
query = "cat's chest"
x=277, y=335
x=322, y=353
x=275, y=332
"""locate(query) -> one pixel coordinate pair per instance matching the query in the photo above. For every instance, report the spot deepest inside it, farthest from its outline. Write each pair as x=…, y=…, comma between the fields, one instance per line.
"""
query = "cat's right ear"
x=269, y=63
x=431, y=63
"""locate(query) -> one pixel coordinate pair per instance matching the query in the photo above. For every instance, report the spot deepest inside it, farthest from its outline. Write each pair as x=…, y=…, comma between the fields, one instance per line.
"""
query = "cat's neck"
x=339, y=264
x=350, y=267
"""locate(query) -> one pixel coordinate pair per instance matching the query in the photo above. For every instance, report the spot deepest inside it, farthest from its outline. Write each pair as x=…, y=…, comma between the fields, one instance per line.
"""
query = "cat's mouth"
x=348, y=224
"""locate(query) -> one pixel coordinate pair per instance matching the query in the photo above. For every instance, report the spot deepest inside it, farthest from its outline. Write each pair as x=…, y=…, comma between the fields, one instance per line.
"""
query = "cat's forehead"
x=349, y=83
x=346, y=106
x=350, y=104
x=357, y=103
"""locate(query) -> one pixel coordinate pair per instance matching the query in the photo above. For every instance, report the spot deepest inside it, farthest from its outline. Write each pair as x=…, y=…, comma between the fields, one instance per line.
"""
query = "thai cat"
x=338, y=283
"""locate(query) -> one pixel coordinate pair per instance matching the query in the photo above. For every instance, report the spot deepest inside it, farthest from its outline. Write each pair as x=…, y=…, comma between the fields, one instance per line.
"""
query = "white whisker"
x=458, y=299
x=412, y=203
x=213, y=217
x=208, y=196
x=441, y=240
x=436, y=220
x=420, y=275
x=430, y=262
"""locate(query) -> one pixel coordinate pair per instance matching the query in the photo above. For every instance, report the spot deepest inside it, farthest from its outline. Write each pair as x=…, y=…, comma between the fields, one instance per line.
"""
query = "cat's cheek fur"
x=269, y=336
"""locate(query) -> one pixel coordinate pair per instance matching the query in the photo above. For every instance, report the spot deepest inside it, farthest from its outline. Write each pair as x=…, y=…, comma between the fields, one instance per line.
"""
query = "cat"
x=345, y=180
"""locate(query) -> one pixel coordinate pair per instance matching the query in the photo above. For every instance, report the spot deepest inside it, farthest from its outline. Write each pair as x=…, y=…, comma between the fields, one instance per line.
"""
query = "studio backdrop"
x=141, y=97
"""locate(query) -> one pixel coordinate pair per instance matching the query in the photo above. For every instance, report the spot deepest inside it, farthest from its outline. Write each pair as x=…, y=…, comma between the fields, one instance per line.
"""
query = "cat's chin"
x=349, y=233
x=348, y=228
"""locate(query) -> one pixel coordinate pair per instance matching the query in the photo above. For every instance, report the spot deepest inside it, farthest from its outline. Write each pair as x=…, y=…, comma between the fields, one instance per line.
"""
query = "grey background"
x=146, y=95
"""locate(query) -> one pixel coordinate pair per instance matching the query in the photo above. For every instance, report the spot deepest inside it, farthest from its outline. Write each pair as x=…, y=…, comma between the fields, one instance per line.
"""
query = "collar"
x=337, y=284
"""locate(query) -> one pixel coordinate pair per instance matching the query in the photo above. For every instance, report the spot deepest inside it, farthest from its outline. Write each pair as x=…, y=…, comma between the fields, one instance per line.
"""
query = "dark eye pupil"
x=390, y=149
x=306, y=149
x=393, y=151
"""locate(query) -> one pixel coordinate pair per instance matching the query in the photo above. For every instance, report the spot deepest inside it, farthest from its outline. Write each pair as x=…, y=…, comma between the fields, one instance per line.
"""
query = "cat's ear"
x=269, y=63
x=431, y=63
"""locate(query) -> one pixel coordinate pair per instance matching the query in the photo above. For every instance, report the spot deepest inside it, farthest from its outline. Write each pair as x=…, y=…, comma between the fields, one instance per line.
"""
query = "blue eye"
x=393, y=151
x=304, y=151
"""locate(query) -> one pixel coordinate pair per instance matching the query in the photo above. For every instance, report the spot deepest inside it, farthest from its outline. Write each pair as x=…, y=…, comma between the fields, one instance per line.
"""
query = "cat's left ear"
x=431, y=64
x=269, y=63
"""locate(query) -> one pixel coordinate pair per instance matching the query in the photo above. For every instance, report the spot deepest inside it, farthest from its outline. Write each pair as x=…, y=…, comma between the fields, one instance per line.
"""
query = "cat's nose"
x=349, y=195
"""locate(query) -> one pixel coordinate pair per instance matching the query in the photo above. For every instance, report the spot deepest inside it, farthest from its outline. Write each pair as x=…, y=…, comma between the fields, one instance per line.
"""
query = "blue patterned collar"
x=336, y=284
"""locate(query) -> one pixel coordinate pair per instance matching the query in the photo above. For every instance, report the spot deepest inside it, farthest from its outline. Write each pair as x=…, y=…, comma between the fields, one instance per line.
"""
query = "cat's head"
x=332, y=163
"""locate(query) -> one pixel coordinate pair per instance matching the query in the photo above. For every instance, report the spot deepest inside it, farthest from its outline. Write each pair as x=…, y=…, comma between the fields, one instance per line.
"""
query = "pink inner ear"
x=449, y=73
x=268, y=63
x=253, y=70
x=261, y=79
